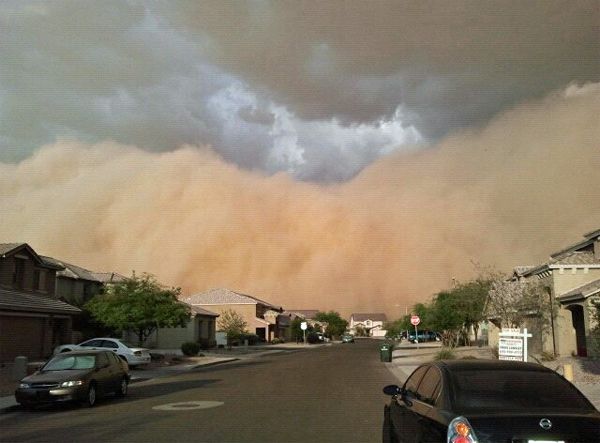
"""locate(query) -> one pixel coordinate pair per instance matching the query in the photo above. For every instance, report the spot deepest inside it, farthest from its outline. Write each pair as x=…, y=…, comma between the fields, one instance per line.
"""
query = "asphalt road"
x=327, y=394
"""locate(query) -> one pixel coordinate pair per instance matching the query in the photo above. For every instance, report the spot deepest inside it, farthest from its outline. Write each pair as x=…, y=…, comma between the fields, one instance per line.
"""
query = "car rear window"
x=514, y=390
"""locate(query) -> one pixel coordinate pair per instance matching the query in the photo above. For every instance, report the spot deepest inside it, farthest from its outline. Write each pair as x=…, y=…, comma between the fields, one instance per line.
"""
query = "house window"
x=19, y=273
x=39, y=280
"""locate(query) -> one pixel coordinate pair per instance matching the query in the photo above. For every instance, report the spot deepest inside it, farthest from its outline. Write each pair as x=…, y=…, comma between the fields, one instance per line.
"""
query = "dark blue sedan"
x=476, y=401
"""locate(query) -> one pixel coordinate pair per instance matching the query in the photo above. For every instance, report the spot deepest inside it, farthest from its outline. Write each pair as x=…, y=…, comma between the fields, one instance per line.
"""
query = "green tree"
x=139, y=304
x=232, y=323
x=336, y=325
x=297, y=332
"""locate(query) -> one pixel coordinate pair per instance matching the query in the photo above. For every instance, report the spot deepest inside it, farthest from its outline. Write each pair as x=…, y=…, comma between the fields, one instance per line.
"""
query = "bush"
x=276, y=341
x=468, y=357
x=190, y=348
x=445, y=354
x=252, y=339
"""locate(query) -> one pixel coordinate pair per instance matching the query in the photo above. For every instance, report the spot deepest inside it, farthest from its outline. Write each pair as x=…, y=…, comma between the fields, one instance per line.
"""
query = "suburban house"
x=372, y=323
x=200, y=329
x=308, y=315
x=262, y=318
x=572, y=278
x=32, y=320
x=77, y=285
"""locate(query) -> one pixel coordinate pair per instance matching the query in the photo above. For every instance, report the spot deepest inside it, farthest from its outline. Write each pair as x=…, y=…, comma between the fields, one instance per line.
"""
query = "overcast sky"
x=316, y=89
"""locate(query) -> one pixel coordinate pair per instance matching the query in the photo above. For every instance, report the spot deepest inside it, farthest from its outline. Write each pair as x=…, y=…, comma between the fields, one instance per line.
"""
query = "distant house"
x=263, y=318
x=200, y=329
x=32, y=320
x=370, y=322
x=308, y=315
x=572, y=278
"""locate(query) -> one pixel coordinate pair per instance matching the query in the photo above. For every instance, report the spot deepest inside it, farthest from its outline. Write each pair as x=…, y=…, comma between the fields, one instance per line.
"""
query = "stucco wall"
x=572, y=278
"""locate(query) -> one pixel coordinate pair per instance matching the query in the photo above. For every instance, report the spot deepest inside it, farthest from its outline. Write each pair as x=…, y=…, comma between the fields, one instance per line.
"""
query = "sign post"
x=303, y=326
x=415, y=320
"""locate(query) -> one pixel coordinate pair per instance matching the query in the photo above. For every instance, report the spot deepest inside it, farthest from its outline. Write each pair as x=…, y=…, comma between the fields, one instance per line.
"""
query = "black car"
x=476, y=401
x=75, y=376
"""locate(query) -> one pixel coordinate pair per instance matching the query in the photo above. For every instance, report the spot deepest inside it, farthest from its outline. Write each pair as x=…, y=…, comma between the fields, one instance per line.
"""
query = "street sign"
x=415, y=320
x=303, y=326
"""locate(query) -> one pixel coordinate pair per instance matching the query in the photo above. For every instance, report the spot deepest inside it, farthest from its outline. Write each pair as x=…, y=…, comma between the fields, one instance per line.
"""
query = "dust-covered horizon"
x=508, y=194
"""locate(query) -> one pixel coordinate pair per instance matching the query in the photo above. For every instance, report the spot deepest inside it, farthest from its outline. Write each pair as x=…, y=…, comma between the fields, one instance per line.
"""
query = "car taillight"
x=138, y=353
x=460, y=431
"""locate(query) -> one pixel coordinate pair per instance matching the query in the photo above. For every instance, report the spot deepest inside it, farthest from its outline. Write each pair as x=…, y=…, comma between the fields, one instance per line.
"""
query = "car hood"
x=564, y=425
x=56, y=376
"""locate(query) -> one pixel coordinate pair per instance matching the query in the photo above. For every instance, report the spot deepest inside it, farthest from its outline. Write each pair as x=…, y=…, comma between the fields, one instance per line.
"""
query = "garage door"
x=21, y=336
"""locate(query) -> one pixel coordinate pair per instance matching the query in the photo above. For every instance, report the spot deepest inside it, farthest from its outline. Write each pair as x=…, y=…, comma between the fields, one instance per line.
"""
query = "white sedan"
x=133, y=356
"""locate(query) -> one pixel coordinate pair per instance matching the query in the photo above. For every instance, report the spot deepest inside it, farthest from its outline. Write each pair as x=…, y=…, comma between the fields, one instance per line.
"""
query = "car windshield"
x=67, y=362
x=514, y=390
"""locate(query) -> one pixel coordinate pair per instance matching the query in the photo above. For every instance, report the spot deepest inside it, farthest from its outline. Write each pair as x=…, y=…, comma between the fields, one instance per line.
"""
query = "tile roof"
x=79, y=273
x=304, y=313
x=222, y=296
x=30, y=302
x=7, y=247
x=70, y=270
x=576, y=258
x=201, y=311
x=109, y=277
x=369, y=316
x=583, y=291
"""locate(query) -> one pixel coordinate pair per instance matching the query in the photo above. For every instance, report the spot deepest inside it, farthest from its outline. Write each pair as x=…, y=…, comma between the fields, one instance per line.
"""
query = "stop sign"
x=415, y=320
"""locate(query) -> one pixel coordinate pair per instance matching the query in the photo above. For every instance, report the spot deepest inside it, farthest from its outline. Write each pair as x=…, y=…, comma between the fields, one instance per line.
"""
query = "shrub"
x=252, y=339
x=276, y=341
x=468, y=357
x=445, y=354
x=190, y=348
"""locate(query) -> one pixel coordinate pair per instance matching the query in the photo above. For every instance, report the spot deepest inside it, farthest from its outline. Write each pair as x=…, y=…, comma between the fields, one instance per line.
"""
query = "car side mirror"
x=392, y=390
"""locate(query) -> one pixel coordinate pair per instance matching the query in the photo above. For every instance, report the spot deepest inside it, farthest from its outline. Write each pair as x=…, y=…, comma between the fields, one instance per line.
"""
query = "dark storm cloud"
x=452, y=64
x=316, y=89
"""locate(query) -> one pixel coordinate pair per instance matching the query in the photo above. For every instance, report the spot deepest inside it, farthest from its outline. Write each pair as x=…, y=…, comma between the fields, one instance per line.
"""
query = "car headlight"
x=68, y=384
x=24, y=385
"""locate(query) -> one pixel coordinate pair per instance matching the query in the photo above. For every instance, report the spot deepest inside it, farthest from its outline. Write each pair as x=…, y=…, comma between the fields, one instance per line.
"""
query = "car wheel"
x=91, y=395
x=122, y=392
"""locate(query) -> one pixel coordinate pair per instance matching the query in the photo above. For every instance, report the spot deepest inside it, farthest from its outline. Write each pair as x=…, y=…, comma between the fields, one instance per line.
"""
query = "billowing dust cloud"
x=506, y=195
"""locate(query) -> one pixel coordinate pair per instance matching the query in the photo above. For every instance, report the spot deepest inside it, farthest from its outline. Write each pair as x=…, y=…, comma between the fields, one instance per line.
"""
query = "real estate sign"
x=512, y=344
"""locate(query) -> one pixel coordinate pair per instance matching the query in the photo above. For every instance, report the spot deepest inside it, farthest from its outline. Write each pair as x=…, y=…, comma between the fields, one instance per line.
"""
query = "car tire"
x=92, y=393
x=123, y=386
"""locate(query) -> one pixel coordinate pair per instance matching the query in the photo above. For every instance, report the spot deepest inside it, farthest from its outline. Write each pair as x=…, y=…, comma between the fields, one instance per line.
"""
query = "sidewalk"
x=209, y=358
x=406, y=358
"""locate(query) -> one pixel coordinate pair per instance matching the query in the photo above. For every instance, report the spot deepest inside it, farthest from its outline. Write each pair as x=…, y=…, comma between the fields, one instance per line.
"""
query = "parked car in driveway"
x=134, y=356
x=475, y=401
x=75, y=376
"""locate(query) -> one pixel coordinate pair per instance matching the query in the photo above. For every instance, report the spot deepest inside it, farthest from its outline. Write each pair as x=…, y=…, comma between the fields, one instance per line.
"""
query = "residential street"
x=328, y=394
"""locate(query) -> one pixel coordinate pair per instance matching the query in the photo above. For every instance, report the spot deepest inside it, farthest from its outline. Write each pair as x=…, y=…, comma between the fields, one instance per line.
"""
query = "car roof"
x=102, y=338
x=484, y=364
x=83, y=352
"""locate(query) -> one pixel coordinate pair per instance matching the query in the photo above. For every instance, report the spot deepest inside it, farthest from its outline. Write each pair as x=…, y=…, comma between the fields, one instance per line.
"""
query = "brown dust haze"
x=507, y=194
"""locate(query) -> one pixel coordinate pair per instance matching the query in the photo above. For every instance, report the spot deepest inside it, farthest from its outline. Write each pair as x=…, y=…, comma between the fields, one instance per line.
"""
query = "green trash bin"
x=385, y=352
